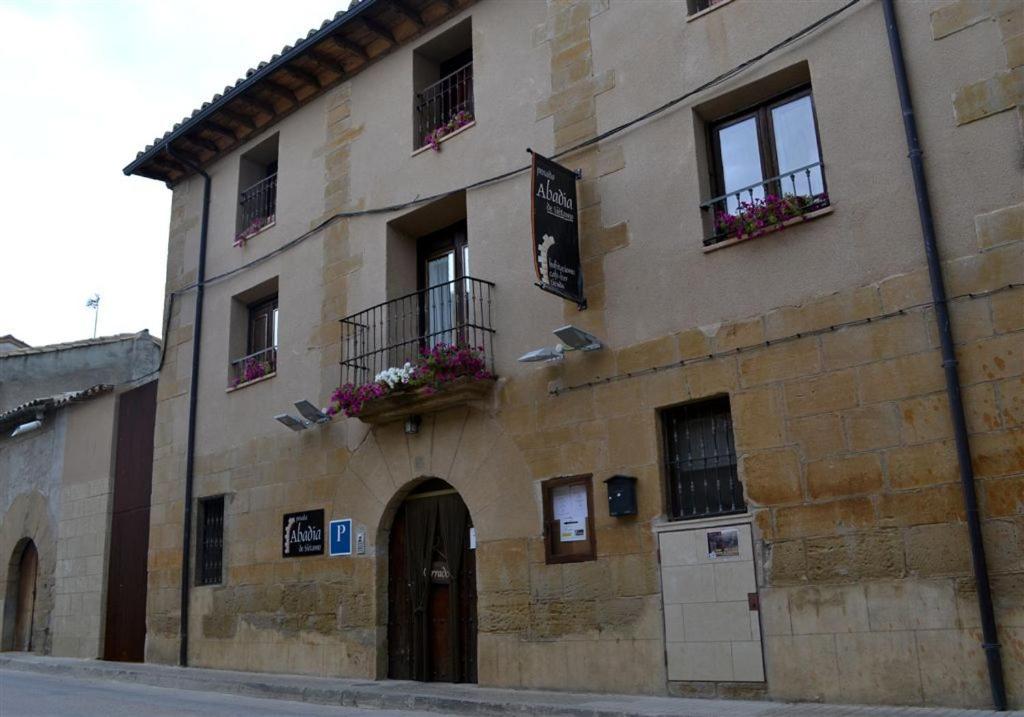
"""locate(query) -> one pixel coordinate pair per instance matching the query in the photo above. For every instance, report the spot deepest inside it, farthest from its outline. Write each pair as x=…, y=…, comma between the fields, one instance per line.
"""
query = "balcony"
x=444, y=107
x=257, y=207
x=767, y=206
x=252, y=368
x=456, y=313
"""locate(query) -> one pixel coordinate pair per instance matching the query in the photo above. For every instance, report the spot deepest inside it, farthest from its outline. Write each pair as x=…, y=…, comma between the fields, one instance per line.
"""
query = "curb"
x=377, y=695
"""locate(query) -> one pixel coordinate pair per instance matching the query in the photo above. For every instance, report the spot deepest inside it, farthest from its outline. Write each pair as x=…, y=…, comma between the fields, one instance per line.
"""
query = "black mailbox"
x=621, y=495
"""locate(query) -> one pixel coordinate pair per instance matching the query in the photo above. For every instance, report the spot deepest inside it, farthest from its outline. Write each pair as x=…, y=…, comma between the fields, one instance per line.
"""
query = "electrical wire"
x=774, y=342
x=519, y=170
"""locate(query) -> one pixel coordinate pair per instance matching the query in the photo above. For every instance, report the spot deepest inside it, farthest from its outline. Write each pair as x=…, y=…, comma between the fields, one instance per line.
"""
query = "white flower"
x=394, y=376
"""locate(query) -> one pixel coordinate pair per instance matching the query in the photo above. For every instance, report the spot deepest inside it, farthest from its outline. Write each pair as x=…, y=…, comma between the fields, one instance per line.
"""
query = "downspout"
x=949, y=365
x=197, y=331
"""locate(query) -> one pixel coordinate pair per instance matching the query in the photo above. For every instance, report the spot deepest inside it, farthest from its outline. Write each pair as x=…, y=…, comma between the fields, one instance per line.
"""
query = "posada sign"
x=556, y=235
x=303, y=534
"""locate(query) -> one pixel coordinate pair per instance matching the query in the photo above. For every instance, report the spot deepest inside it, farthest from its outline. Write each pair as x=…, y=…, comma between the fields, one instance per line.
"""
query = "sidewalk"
x=446, y=698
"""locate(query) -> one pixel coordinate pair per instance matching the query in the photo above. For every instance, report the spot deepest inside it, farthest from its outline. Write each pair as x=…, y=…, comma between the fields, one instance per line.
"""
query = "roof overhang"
x=339, y=50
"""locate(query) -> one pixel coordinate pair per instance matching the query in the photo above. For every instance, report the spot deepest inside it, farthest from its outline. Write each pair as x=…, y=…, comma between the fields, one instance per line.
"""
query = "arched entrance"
x=25, y=567
x=432, y=588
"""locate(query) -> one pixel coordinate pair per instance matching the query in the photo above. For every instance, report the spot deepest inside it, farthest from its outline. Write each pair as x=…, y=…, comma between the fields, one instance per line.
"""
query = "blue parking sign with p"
x=341, y=537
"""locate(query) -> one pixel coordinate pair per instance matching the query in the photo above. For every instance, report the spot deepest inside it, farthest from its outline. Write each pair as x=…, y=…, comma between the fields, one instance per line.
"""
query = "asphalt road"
x=26, y=694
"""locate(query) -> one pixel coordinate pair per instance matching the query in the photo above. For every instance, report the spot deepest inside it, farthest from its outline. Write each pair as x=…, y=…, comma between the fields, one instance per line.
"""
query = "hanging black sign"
x=303, y=534
x=556, y=235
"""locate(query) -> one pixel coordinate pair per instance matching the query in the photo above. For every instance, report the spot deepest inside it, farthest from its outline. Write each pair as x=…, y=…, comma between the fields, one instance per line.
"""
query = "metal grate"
x=456, y=312
x=210, y=565
x=442, y=101
x=700, y=460
x=252, y=367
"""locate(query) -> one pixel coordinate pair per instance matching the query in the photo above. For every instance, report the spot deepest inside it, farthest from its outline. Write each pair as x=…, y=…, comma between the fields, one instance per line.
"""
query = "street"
x=24, y=694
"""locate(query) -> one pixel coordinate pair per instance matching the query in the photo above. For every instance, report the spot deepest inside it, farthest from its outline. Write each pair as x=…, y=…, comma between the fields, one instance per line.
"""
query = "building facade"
x=769, y=373
x=76, y=421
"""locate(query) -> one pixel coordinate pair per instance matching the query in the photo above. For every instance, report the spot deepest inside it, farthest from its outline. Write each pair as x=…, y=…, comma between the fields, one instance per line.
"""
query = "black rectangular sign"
x=303, y=534
x=556, y=235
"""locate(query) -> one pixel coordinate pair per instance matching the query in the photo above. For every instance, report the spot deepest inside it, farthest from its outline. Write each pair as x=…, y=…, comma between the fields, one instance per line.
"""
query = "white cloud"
x=86, y=86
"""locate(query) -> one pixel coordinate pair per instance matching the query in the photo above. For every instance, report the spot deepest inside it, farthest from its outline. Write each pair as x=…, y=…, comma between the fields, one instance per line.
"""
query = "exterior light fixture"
x=577, y=339
x=555, y=353
x=311, y=413
x=412, y=424
x=27, y=427
x=292, y=422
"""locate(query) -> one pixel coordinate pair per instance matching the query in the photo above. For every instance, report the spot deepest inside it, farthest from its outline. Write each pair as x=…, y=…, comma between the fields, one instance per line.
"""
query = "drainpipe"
x=190, y=451
x=949, y=365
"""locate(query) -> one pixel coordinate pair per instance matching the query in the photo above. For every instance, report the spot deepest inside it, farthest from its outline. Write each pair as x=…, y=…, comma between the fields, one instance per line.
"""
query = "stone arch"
x=467, y=448
x=28, y=520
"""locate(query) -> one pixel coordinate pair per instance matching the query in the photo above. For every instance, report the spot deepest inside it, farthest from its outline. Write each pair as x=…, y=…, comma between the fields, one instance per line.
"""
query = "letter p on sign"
x=341, y=537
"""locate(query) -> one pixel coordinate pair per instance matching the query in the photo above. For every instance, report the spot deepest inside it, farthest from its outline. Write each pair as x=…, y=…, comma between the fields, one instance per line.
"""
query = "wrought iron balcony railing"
x=457, y=312
x=255, y=365
x=442, y=101
x=258, y=205
x=769, y=203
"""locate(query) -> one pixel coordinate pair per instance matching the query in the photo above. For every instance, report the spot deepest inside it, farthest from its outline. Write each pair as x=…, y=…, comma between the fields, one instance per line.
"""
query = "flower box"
x=404, y=403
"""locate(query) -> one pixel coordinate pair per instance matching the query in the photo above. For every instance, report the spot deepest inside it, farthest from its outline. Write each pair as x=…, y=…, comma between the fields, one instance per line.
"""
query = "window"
x=569, y=519
x=700, y=460
x=695, y=6
x=443, y=86
x=257, y=190
x=766, y=166
x=210, y=542
x=254, y=335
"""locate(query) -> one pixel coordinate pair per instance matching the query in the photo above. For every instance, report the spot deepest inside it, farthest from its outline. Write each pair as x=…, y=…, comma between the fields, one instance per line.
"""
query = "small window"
x=700, y=461
x=443, y=86
x=210, y=543
x=695, y=6
x=257, y=190
x=569, y=519
x=766, y=167
x=260, y=359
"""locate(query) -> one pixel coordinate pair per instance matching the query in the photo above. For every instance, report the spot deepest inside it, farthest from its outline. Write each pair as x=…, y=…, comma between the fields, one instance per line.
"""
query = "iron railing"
x=440, y=102
x=255, y=365
x=456, y=312
x=258, y=205
x=802, y=190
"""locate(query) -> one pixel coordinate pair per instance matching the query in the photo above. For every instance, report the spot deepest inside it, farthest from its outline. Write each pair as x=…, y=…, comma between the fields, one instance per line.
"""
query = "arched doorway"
x=26, y=566
x=432, y=588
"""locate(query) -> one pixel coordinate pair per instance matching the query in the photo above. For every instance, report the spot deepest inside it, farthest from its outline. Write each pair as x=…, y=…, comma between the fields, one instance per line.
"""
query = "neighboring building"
x=10, y=343
x=800, y=531
x=76, y=426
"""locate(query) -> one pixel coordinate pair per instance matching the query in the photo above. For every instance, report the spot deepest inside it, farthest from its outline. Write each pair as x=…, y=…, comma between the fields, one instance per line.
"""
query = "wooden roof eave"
x=298, y=77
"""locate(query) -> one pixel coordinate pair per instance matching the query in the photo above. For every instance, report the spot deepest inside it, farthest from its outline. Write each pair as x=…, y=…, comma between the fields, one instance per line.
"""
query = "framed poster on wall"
x=569, y=519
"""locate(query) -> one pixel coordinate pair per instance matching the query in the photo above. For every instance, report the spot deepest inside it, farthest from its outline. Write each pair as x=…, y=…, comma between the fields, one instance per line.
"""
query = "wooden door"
x=125, y=633
x=439, y=632
x=28, y=567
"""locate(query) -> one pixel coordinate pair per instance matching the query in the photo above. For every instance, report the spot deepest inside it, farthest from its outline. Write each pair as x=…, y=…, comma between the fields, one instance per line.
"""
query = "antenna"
x=93, y=302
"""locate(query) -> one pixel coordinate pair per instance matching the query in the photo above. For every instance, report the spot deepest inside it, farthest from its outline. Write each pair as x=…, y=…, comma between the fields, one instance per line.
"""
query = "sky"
x=86, y=84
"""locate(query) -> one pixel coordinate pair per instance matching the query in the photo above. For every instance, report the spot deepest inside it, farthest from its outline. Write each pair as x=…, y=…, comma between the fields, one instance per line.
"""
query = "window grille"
x=700, y=461
x=210, y=563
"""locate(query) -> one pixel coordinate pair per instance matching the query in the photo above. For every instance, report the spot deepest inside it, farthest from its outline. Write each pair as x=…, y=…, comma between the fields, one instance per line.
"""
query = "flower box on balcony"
x=425, y=399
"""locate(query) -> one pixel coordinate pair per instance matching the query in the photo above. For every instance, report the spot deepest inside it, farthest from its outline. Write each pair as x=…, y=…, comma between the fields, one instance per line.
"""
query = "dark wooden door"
x=439, y=633
x=125, y=634
x=28, y=567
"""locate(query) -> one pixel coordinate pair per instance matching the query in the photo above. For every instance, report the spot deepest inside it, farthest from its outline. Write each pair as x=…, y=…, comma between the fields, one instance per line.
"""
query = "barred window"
x=210, y=543
x=700, y=460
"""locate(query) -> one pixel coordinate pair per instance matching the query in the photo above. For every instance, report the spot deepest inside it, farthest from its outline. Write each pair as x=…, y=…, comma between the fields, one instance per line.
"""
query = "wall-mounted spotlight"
x=578, y=339
x=573, y=338
x=554, y=353
x=311, y=415
x=292, y=422
x=27, y=427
